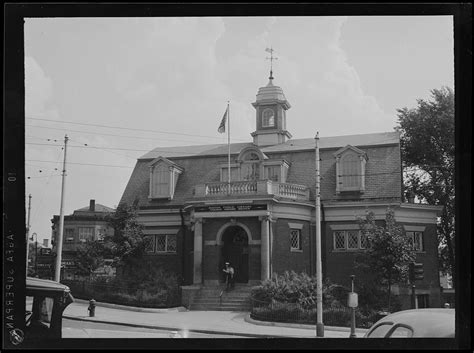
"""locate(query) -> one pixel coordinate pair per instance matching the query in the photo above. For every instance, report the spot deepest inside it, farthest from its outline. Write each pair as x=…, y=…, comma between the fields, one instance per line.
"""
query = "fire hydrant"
x=91, y=308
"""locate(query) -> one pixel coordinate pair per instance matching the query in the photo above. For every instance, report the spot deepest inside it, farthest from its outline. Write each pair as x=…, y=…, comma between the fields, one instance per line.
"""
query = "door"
x=236, y=251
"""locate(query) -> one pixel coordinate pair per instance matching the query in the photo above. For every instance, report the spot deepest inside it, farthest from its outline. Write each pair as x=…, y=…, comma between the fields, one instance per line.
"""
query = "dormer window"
x=268, y=118
x=163, y=178
x=350, y=169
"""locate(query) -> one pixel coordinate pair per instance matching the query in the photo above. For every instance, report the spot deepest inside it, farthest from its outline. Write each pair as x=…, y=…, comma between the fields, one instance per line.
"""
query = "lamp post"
x=352, y=303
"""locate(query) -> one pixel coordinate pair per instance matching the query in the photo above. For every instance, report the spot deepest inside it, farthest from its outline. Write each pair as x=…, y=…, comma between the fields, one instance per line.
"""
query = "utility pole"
x=36, y=252
x=59, y=247
x=319, y=272
x=28, y=233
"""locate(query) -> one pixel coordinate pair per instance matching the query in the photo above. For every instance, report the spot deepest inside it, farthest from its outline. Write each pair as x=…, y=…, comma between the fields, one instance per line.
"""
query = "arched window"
x=268, y=118
x=350, y=169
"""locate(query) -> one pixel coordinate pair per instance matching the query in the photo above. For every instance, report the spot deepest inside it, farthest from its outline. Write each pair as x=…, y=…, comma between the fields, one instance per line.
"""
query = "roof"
x=428, y=322
x=334, y=142
x=201, y=164
x=45, y=284
x=98, y=208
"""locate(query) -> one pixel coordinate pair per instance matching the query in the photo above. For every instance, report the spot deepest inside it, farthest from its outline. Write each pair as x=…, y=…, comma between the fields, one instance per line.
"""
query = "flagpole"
x=228, y=146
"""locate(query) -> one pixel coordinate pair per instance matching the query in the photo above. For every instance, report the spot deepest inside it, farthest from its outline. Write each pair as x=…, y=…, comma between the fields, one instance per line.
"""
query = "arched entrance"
x=235, y=250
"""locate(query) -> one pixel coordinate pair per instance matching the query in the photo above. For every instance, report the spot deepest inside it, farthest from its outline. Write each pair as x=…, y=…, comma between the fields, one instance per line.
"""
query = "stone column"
x=197, y=274
x=265, y=248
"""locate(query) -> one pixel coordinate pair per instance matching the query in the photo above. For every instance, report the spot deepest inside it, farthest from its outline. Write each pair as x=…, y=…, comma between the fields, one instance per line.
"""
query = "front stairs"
x=218, y=299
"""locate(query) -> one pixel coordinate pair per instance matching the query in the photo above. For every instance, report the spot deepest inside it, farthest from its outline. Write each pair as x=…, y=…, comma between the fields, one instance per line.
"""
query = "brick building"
x=87, y=223
x=263, y=222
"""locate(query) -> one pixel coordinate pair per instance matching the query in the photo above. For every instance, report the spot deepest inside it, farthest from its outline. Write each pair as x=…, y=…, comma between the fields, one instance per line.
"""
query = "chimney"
x=92, y=206
x=45, y=243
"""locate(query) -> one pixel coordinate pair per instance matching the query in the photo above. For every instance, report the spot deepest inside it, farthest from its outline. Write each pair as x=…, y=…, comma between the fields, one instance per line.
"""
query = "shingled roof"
x=375, y=139
x=201, y=165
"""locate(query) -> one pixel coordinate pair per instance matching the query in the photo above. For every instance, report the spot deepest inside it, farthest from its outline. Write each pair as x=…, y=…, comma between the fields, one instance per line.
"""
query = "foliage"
x=163, y=292
x=90, y=256
x=299, y=288
x=290, y=287
x=127, y=242
x=428, y=154
x=389, y=252
x=291, y=297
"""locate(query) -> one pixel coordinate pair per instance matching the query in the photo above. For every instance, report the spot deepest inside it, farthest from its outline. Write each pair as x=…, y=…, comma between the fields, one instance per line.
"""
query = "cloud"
x=38, y=88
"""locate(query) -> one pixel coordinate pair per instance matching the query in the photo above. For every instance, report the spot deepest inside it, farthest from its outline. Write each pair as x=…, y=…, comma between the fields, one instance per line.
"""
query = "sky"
x=120, y=87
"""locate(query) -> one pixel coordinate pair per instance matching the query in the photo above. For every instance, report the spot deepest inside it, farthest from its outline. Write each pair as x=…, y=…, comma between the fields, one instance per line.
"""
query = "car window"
x=401, y=332
x=46, y=309
x=381, y=330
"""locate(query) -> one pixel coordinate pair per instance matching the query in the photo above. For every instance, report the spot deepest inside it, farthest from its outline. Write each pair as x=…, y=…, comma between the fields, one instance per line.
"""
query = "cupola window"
x=268, y=118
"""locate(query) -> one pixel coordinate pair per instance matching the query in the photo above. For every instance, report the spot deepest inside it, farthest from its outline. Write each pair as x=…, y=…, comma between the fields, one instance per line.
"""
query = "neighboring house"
x=44, y=265
x=264, y=221
x=87, y=223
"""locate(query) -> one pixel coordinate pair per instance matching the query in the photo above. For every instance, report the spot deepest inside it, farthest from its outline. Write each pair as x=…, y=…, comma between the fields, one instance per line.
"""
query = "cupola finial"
x=271, y=58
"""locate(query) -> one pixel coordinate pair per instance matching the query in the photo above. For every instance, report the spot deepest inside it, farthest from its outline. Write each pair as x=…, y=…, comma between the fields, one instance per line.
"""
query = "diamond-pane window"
x=339, y=240
x=171, y=243
x=295, y=239
x=363, y=241
x=160, y=243
x=149, y=244
x=352, y=239
x=165, y=243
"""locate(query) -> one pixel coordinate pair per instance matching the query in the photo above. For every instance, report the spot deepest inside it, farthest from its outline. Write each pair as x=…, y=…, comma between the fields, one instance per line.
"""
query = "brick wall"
x=283, y=258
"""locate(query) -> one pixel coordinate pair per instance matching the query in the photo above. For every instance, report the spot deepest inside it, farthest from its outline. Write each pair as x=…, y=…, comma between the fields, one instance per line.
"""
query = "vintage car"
x=415, y=323
x=45, y=303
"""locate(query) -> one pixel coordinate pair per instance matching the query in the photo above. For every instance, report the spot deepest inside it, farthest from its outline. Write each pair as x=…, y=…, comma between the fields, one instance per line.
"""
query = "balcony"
x=252, y=188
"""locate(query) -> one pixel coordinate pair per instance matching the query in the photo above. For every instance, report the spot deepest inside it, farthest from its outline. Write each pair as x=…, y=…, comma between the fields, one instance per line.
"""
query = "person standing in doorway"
x=229, y=275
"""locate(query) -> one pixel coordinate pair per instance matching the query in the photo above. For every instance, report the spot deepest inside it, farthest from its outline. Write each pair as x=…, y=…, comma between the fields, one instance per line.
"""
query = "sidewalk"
x=225, y=322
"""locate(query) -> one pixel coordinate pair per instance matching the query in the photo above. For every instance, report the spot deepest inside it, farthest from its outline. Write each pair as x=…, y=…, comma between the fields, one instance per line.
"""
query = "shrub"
x=160, y=289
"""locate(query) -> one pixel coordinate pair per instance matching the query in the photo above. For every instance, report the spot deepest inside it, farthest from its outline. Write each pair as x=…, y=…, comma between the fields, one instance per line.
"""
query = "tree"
x=389, y=252
x=90, y=256
x=127, y=244
x=427, y=147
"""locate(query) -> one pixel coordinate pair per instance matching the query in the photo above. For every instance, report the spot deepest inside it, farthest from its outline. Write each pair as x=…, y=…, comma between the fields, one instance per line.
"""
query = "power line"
x=124, y=128
x=115, y=135
x=97, y=165
x=117, y=148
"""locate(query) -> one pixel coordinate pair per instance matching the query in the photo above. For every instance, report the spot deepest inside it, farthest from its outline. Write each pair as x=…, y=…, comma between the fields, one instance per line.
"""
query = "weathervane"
x=271, y=58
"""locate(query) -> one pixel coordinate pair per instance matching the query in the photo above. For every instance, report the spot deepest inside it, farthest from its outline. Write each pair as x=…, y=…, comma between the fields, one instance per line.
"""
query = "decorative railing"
x=260, y=187
x=293, y=191
x=234, y=188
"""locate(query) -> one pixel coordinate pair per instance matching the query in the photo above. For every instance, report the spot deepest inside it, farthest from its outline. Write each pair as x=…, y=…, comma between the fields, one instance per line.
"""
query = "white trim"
x=161, y=223
x=410, y=228
x=344, y=226
x=234, y=214
x=160, y=231
x=295, y=225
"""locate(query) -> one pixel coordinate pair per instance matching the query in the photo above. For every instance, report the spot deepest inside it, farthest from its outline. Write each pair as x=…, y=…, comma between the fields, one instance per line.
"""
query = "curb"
x=300, y=326
x=133, y=308
x=168, y=328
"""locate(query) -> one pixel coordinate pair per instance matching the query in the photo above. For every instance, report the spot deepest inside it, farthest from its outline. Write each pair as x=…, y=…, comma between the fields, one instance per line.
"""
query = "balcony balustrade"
x=250, y=188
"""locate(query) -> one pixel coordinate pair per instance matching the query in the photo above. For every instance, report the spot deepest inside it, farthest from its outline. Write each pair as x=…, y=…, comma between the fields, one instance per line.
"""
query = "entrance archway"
x=235, y=250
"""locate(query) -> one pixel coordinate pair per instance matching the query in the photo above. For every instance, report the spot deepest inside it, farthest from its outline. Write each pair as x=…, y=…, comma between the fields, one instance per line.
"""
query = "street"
x=86, y=329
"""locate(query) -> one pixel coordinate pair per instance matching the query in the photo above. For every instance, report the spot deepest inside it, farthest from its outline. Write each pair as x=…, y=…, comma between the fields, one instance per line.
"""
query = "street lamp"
x=352, y=302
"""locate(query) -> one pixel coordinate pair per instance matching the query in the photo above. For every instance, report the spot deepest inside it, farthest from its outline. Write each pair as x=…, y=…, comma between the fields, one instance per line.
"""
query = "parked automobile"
x=430, y=322
x=45, y=304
